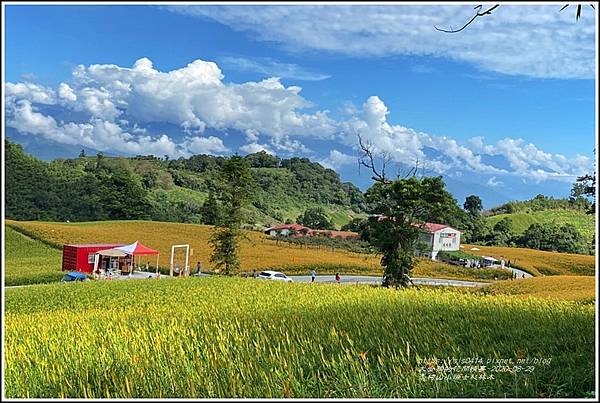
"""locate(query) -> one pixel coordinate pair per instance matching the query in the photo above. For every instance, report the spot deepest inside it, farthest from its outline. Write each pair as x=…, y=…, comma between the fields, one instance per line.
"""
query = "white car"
x=274, y=275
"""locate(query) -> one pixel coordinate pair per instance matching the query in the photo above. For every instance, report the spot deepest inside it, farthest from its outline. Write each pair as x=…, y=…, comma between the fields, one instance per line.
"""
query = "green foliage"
x=538, y=203
x=521, y=221
x=456, y=255
x=211, y=210
x=236, y=192
x=473, y=205
x=585, y=188
x=71, y=190
x=87, y=188
x=405, y=204
x=262, y=159
x=315, y=218
x=552, y=237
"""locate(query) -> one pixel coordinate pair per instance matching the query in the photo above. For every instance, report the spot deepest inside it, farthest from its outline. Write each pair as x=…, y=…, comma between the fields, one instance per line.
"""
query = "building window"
x=91, y=258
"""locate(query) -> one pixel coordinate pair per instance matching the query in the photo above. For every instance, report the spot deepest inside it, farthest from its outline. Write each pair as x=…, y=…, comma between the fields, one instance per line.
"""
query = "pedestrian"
x=158, y=274
x=313, y=275
x=337, y=277
x=523, y=275
x=147, y=266
x=253, y=273
x=198, y=268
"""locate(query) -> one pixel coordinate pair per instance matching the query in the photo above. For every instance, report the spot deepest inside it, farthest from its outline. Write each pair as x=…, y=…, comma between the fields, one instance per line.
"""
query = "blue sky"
x=506, y=107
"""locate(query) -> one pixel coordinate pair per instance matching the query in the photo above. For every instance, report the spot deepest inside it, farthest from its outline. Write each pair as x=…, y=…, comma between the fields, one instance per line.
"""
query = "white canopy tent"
x=107, y=252
x=132, y=250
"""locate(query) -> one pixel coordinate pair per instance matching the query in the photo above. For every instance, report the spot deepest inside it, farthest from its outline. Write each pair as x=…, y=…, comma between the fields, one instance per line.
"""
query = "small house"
x=287, y=229
x=439, y=237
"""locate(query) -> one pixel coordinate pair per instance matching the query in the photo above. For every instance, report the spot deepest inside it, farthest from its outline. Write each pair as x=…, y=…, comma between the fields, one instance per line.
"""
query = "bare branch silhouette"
x=367, y=159
x=479, y=13
x=577, y=11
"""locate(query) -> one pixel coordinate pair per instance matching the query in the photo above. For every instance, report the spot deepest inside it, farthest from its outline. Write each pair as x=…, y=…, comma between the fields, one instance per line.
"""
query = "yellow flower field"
x=256, y=252
x=574, y=288
x=538, y=262
x=235, y=337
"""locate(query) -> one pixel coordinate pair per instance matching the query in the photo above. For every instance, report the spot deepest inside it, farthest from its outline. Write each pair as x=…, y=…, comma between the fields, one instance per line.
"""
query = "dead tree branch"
x=479, y=13
x=367, y=159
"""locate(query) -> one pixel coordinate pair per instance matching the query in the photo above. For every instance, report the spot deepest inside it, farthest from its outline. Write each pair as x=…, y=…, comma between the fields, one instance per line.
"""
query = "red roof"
x=295, y=227
x=432, y=227
x=428, y=226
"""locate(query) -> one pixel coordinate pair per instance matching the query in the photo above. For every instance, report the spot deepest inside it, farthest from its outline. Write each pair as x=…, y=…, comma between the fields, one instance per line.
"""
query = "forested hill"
x=145, y=187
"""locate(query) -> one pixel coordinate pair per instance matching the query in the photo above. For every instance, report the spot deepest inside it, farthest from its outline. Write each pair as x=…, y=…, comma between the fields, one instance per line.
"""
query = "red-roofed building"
x=300, y=230
x=287, y=229
x=439, y=237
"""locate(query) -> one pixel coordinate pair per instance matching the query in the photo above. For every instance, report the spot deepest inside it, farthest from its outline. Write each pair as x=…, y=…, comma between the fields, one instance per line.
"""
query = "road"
x=377, y=280
x=331, y=279
x=518, y=272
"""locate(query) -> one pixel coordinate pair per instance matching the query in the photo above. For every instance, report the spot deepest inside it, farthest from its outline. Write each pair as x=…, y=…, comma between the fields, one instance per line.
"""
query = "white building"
x=439, y=237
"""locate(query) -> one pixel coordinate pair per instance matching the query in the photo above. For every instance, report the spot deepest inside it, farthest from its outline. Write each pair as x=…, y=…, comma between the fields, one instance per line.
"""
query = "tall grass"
x=28, y=261
x=224, y=337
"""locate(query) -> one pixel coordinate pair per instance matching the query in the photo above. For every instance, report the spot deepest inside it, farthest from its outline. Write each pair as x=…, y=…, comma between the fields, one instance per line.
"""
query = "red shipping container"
x=81, y=257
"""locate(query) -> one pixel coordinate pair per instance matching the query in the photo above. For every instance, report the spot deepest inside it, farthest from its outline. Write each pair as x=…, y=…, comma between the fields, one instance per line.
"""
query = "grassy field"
x=258, y=252
x=233, y=337
x=522, y=220
x=573, y=288
x=539, y=262
x=27, y=261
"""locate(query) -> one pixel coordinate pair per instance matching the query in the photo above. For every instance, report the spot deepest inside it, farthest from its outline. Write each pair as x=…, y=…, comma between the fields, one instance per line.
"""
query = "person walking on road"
x=313, y=275
x=337, y=278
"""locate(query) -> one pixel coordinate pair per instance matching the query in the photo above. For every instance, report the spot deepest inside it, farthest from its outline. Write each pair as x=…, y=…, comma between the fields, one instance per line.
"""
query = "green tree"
x=315, y=218
x=586, y=186
x=355, y=225
x=503, y=226
x=473, y=205
x=237, y=190
x=210, y=210
x=501, y=233
x=552, y=237
x=400, y=209
x=262, y=159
